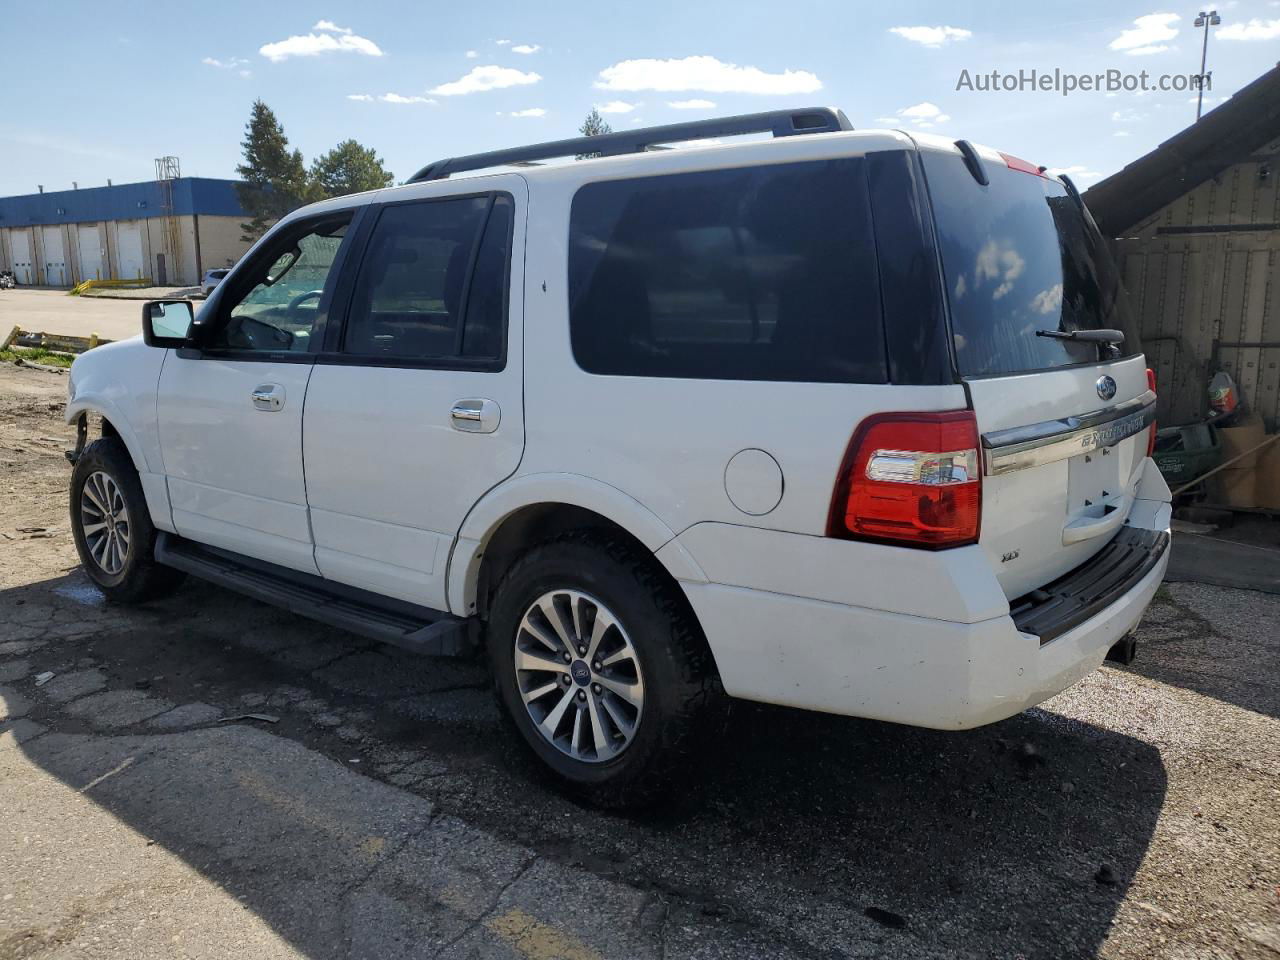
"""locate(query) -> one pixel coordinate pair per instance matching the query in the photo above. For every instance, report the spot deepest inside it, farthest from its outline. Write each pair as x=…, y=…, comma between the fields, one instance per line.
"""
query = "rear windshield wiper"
x=1086, y=336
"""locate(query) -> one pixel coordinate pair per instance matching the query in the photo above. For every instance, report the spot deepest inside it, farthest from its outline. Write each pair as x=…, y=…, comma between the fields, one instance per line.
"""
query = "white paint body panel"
x=235, y=471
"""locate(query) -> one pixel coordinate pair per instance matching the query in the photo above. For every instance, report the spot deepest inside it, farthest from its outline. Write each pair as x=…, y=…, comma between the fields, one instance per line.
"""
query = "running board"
x=420, y=629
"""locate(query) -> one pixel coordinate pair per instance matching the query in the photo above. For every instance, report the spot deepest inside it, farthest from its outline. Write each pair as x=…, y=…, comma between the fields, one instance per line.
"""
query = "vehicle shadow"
x=1233, y=657
x=813, y=835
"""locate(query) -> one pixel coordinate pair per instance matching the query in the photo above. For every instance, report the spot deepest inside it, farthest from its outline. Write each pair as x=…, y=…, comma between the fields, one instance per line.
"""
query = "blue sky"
x=93, y=96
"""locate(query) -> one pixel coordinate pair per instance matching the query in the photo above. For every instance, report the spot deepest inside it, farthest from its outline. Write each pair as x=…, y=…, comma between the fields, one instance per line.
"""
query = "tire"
x=654, y=639
x=128, y=573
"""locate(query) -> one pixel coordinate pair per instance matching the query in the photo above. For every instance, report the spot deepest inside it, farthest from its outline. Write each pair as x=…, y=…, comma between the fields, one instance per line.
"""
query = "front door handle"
x=476, y=415
x=268, y=397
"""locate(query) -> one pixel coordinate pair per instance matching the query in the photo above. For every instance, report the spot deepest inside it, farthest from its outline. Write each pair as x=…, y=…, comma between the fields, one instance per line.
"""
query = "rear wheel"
x=601, y=668
x=112, y=528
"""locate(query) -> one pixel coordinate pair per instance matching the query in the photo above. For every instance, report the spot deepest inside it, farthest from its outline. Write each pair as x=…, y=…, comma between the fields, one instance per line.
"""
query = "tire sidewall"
x=577, y=566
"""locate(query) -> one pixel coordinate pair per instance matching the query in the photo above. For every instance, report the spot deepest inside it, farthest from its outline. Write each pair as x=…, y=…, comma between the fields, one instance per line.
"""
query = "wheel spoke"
x=552, y=613
x=625, y=727
x=598, y=630
x=529, y=660
x=618, y=656
x=122, y=533
x=552, y=720
x=535, y=630
x=603, y=748
x=93, y=496
x=89, y=529
x=633, y=693
x=538, y=692
x=575, y=738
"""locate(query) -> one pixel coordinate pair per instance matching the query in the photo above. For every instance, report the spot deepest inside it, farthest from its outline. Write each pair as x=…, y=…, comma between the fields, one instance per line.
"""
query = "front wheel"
x=112, y=527
x=600, y=666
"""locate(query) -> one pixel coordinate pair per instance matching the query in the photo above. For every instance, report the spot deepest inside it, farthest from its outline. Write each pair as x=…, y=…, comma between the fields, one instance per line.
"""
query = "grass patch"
x=37, y=355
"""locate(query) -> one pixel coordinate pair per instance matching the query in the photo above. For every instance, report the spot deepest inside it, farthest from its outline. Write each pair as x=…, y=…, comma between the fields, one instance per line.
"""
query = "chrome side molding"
x=1035, y=444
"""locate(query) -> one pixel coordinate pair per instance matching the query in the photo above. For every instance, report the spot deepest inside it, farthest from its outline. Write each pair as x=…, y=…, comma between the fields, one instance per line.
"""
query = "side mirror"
x=165, y=323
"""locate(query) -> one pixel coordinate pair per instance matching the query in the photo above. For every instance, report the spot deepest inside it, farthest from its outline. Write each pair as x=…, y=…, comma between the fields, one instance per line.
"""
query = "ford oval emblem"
x=1106, y=388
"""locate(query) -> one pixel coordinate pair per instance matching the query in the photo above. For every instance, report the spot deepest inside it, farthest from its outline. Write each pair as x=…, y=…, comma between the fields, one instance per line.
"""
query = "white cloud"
x=932, y=37
x=1253, y=30
x=472, y=54
x=328, y=26
x=996, y=264
x=364, y=97
x=526, y=48
x=1121, y=133
x=1127, y=116
x=485, y=78
x=616, y=106
x=703, y=73
x=1076, y=172
x=313, y=44
x=691, y=105
x=531, y=112
x=398, y=98
x=1048, y=301
x=503, y=43
x=922, y=115
x=230, y=64
x=1147, y=34
x=1147, y=51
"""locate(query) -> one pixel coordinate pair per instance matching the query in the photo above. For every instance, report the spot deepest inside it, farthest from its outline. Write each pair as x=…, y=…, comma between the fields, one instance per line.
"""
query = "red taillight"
x=1151, y=436
x=913, y=479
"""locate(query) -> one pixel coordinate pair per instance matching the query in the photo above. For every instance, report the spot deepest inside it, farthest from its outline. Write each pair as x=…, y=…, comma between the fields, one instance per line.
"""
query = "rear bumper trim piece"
x=1090, y=588
x=1033, y=445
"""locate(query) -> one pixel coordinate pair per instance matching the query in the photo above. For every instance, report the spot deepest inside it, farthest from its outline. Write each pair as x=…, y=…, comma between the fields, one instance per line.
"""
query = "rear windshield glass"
x=765, y=273
x=1020, y=256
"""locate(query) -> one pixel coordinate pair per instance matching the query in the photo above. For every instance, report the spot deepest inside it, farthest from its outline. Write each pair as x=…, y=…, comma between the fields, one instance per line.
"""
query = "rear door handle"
x=268, y=397
x=475, y=415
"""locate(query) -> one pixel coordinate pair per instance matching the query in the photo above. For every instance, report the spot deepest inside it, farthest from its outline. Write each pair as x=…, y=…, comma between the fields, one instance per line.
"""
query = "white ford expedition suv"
x=850, y=421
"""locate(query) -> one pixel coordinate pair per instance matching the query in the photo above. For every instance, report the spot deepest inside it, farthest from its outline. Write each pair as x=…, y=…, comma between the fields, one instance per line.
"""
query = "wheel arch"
x=537, y=507
x=114, y=425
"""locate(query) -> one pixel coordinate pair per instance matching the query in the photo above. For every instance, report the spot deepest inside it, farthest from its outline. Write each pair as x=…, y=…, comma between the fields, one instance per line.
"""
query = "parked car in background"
x=850, y=421
x=212, y=278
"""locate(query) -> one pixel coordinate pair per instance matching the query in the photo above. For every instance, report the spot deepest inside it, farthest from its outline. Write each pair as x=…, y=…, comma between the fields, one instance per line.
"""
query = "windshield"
x=1020, y=256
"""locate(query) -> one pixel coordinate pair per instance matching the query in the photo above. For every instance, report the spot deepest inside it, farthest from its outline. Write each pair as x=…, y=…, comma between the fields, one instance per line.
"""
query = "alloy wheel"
x=104, y=521
x=579, y=675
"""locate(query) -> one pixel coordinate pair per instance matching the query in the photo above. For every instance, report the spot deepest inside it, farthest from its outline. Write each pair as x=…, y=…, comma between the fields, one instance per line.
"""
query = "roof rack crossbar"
x=781, y=123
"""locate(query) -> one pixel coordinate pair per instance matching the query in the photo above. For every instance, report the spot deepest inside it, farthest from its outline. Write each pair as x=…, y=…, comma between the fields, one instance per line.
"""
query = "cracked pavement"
x=388, y=813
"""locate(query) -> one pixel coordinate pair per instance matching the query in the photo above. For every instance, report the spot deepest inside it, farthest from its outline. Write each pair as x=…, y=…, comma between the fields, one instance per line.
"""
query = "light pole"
x=1206, y=20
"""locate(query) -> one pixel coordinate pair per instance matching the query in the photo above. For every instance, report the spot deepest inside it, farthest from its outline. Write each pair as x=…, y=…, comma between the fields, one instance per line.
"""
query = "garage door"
x=20, y=247
x=129, y=243
x=90, y=246
x=55, y=257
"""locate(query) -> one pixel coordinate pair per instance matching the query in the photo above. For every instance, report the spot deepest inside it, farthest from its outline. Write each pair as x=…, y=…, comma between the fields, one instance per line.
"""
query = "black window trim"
x=333, y=354
x=324, y=309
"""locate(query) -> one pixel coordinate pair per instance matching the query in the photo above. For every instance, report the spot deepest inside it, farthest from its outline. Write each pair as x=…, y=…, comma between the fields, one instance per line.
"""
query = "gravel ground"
x=387, y=814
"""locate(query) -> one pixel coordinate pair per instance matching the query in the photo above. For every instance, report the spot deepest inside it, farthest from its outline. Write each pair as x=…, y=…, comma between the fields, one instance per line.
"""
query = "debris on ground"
x=43, y=678
x=264, y=717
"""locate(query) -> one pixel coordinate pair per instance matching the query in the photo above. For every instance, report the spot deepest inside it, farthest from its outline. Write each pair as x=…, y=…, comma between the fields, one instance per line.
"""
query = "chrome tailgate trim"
x=1018, y=448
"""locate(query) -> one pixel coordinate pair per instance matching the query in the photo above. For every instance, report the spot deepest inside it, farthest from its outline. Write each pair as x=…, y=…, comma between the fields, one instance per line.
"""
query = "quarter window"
x=765, y=273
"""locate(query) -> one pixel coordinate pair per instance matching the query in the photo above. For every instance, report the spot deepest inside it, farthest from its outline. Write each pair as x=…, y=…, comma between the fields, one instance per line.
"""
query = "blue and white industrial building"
x=169, y=231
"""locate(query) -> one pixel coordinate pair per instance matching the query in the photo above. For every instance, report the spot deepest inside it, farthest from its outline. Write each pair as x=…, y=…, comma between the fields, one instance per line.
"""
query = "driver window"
x=279, y=310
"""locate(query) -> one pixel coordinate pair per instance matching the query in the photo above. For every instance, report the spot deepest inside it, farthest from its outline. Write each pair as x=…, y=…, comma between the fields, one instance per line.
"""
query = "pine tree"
x=594, y=125
x=275, y=178
x=349, y=168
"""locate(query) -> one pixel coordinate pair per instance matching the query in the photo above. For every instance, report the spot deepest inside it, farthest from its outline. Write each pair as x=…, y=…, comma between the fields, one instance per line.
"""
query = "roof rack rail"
x=781, y=123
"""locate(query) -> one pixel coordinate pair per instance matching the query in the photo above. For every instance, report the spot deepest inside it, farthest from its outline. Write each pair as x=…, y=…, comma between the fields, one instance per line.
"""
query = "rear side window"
x=1019, y=255
x=765, y=273
x=432, y=282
